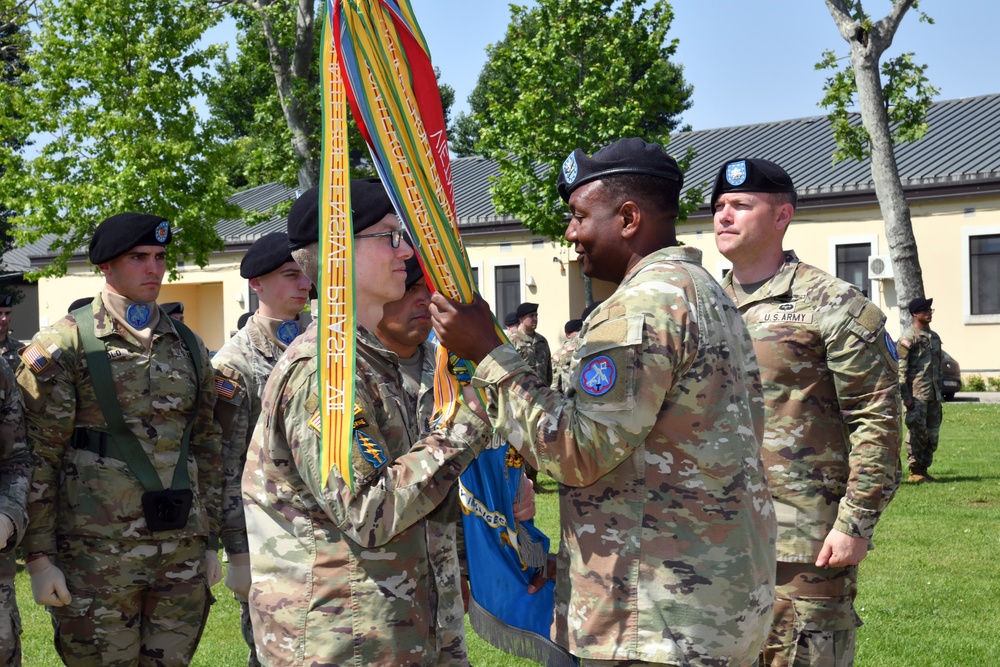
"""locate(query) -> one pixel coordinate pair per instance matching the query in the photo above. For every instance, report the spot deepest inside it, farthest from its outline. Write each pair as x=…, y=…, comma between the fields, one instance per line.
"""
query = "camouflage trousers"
x=10, y=620
x=923, y=423
x=814, y=621
x=141, y=604
x=247, y=628
x=636, y=663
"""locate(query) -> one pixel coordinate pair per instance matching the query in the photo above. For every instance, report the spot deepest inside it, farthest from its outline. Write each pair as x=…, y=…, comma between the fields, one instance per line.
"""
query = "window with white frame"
x=507, y=289
x=984, y=274
x=852, y=265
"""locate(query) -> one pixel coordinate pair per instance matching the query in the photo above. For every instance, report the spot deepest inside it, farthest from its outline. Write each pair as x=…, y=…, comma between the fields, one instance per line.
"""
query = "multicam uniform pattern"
x=667, y=552
x=562, y=364
x=831, y=439
x=534, y=349
x=920, y=366
x=15, y=476
x=242, y=367
x=133, y=590
x=8, y=349
x=342, y=577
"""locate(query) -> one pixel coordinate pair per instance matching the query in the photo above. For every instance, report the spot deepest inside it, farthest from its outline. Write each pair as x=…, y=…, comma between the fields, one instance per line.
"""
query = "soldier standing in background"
x=563, y=357
x=174, y=309
x=530, y=344
x=667, y=554
x=920, y=367
x=125, y=499
x=344, y=574
x=15, y=477
x=242, y=367
x=8, y=346
x=831, y=436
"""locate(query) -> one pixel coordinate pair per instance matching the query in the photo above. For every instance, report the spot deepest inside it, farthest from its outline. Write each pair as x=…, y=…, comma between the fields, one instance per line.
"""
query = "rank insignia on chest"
x=370, y=449
x=138, y=315
x=598, y=376
x=225, y=387
x=36, y=359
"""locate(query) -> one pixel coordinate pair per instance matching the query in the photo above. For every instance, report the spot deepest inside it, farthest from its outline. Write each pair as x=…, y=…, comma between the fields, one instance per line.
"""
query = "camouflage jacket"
x=242, y=367
x=667, y=551
x=76, y=491
x=339, y=576
x=535, y=350
x=562, y=361
x=920, y=365
x=8, y=349
x=15, y=458
x=831, y=438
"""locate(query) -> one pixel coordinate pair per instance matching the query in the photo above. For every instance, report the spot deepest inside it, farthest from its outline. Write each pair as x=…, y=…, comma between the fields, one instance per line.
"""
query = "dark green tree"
x=598, y=71
x=14, y=41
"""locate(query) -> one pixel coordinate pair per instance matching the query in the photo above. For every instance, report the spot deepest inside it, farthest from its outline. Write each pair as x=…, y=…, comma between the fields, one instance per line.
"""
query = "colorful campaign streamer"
x=375, y=55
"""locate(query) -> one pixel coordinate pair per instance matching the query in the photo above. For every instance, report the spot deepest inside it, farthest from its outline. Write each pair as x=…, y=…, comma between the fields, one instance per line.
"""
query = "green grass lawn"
x=930, y=592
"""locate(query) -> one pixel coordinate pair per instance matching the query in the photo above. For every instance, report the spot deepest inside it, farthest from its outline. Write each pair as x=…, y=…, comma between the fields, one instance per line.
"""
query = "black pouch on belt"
x=167, y=509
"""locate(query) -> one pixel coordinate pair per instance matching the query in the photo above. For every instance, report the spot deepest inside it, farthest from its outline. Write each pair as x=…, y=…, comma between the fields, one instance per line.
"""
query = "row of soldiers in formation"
x=724, y=452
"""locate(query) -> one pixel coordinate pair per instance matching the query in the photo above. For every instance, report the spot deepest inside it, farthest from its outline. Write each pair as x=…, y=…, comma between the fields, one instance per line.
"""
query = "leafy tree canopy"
x=600, y=70
x=111, y=85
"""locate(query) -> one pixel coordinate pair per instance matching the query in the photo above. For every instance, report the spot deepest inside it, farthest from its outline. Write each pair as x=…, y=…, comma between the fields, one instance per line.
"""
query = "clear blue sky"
x=749, y=62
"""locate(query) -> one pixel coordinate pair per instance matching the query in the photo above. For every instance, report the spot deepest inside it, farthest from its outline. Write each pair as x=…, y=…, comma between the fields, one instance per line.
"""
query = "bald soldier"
x=125, y=498
x=831, y=438
x=667, y=551
x=242, y=367
x=344, y=575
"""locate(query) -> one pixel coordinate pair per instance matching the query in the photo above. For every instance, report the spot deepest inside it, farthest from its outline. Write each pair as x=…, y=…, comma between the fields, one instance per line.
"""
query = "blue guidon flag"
x=736, y=172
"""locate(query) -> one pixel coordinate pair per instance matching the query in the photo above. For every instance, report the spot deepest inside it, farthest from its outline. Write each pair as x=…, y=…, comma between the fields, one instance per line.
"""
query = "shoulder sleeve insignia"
x=370, y=449
x=316, y=422
x=598, y=376
x=893, y=352
x=359, y=420
x=36, y=359
x=225, y=387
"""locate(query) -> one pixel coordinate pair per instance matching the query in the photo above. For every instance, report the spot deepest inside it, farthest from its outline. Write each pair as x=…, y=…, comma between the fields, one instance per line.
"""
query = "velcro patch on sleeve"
x=36, y=359
x=226, y=387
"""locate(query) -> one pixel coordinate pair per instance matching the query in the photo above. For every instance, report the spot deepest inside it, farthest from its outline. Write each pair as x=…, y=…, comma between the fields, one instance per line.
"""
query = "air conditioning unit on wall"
x=879, y=268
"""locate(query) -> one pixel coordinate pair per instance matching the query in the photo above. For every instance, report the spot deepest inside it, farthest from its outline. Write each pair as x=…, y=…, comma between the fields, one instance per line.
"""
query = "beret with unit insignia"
x=118, y=234
x=625, y=156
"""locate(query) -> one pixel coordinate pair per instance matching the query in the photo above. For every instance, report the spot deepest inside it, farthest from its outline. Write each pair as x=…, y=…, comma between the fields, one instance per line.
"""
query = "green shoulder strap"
x=104, y=387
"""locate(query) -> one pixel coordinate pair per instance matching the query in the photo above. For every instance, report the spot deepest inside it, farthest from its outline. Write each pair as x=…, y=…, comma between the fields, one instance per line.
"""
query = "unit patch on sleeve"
x=598, y=376
x=370, y=449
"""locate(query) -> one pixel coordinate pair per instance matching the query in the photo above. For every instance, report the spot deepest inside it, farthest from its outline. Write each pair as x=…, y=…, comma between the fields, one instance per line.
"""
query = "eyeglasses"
x=395, y=235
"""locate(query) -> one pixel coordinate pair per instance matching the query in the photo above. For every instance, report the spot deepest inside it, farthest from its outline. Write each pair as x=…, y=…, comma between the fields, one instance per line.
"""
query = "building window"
x=984, y=274
x=507, y=281
x=852, y=265
x=475, y=278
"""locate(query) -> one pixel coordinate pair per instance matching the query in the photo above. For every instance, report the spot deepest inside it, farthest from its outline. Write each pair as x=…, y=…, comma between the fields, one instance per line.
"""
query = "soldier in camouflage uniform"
x=563, y=357
x=831, y=439
x=667, y=551
x=920, y=366
x=8, y=346
x=342, y=575
x=125, y=571
x=242, y=367
x=531, y=345
x=15, y=476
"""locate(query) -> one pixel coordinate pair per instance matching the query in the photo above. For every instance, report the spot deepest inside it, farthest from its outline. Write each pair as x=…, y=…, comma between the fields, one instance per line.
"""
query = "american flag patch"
x=225, y=387
x=34, y=356
x=317, y=422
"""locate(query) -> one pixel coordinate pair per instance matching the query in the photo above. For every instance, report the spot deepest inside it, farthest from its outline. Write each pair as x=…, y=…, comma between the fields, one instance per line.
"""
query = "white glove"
x=6, y=529
x=238, y=575
x=213, y=568
x=48, y=583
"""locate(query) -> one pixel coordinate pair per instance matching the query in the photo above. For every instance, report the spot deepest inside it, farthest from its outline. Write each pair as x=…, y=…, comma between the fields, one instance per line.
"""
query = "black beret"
x=171, y=307
x=751, y=175
x=83, y=301
x=573, y=326
x=303, y=221
x=919, y=305
x=120, y=233
x=369, y=203
x=244, y=318
x=413, y=271
x=625, y=156
x=589, y=309
x=510, y=320
x=268, y=253
x=6, y=300
x=526, y=308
